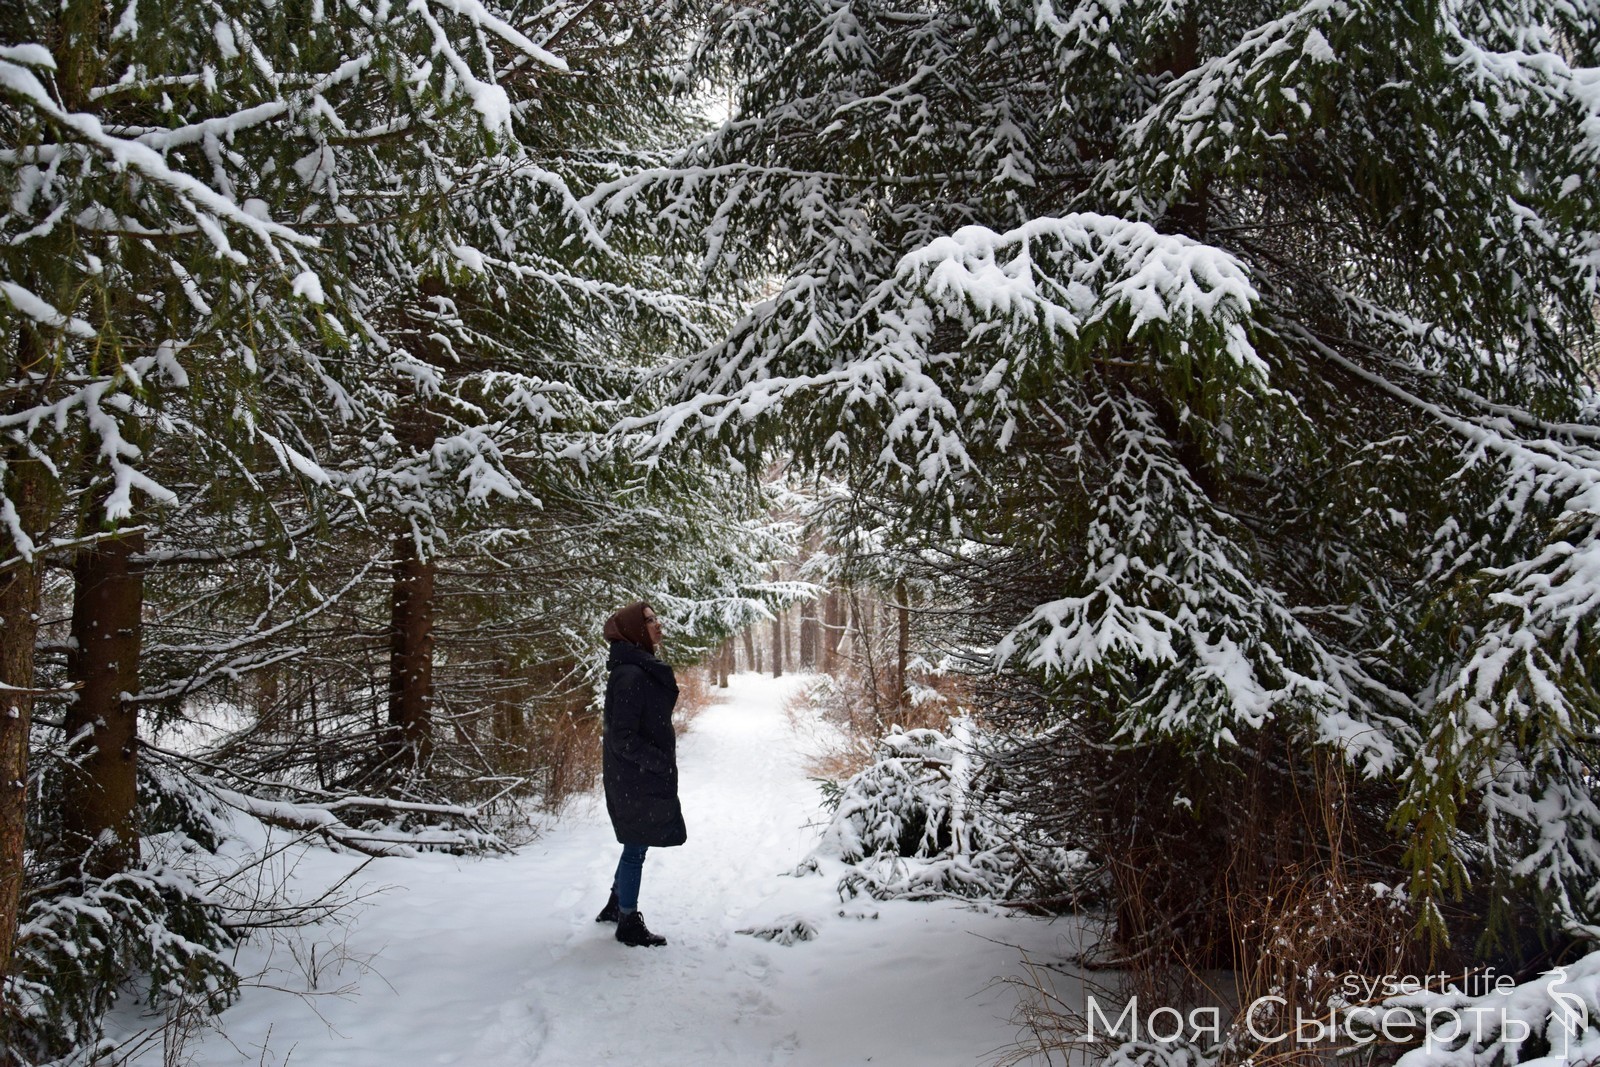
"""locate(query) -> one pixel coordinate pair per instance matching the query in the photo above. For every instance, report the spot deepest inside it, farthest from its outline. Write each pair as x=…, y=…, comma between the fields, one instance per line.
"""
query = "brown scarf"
x=628, y=625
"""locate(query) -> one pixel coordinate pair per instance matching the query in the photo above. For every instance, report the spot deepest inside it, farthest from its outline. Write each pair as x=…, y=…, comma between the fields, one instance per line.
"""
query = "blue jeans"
x=630, y=869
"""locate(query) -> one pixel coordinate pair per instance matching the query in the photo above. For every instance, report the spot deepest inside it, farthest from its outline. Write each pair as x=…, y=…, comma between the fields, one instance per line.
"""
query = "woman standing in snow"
x=641, y=762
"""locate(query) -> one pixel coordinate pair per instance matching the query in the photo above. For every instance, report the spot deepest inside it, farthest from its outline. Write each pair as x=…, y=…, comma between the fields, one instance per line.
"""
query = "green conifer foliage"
x=284, y=285
x=1251, y=331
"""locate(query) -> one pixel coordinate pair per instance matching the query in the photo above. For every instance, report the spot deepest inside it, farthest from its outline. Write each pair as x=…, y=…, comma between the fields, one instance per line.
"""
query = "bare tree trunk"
x=777, y=645
x=26, y=488
x=808, y=635
x=752, y=662
x=863, y=620
x=411, y=653
x=902, y=644
x=723, y=662
x=316, y=738
x=831, y=630
x=847, y=651
x=100, y=799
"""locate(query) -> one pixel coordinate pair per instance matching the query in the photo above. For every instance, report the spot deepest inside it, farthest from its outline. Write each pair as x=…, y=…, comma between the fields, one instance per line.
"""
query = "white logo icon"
x=1570, y=1018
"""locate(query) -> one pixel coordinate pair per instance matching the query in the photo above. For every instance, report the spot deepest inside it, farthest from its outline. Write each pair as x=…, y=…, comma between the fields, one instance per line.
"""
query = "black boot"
x=631, y=930
x=611, y=912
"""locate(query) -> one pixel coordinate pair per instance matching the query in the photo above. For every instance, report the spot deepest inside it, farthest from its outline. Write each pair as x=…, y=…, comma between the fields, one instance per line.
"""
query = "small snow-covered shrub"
x=1177, y=1052
x=84, y=941
x=1551, y=1021
x=899, y=805
x=920, y=822
x=1301, y=939
x=76, y=951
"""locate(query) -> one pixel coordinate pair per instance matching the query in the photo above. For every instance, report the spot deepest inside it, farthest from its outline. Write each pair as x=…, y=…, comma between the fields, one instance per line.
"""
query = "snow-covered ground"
x=497, y=961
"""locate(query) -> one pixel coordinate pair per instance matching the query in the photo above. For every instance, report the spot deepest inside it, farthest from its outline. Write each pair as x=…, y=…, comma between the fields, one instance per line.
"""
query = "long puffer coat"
x=641, y=750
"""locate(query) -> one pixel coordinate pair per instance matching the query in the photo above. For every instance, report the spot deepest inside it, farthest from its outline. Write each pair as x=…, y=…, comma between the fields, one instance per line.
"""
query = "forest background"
x=1196, y=396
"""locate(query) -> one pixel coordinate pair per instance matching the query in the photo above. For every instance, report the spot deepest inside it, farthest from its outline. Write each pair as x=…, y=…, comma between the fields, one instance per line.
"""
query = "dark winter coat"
x=641, y=750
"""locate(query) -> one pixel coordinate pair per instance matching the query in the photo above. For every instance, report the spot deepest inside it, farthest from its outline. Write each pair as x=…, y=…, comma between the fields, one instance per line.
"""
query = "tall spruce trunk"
x=27, y=487
x=902, y=649
x=752, y=657
x=100, y=798
x=411, y=654
x=20, y=583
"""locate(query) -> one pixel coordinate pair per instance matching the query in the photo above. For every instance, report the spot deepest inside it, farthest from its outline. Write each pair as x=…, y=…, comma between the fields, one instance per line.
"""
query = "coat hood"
x=627, y=624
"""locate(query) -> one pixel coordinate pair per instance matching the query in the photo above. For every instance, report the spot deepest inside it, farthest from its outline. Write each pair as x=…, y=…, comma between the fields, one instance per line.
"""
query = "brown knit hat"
x=628, y=625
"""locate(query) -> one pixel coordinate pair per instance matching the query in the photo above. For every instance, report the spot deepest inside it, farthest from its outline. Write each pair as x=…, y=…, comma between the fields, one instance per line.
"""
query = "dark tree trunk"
x=724, y=662
x=902, y=648
x=777, y=645
x=832, y=629
x=808, y=635
x=1189, y=215
x=752, y=661
x=100, y=799
x=26, y=488
x=316, y=738
x=411, y=653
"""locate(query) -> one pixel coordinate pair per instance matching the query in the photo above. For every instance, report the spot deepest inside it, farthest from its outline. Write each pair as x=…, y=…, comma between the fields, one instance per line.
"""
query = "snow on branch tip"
x=1068, y=272
x=209, y=207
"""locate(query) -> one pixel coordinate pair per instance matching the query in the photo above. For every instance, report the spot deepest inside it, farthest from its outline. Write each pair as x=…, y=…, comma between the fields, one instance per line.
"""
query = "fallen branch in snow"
x=307, y=819
x=784, y=931
x=167, y=755
x=316, y=813
x=277, y=915
x=383, y=804
x=320, y=819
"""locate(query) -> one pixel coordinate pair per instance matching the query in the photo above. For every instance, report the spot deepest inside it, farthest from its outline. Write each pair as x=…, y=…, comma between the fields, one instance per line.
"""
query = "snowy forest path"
x=498, y=961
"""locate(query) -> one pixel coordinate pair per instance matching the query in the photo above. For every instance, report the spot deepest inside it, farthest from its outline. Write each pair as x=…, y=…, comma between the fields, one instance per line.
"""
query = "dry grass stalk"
x=845, y=703
x=697, y=690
